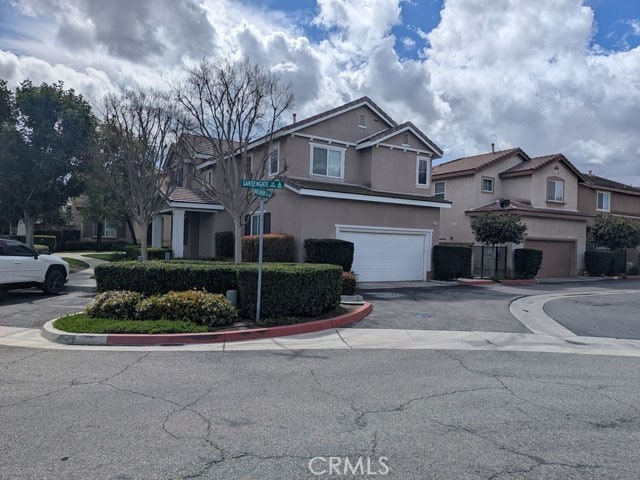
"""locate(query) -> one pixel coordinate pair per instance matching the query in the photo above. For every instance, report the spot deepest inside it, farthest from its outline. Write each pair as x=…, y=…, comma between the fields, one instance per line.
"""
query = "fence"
x=490, y=262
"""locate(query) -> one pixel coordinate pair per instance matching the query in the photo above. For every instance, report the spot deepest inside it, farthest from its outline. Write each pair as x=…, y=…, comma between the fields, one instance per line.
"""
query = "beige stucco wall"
x=559, y=229
x=394, y=170
x=454, y=225
x=539, y=187
x=517, y=188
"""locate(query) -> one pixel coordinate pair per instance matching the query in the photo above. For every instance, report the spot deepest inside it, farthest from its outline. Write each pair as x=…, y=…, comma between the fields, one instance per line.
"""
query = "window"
x=247, y=167
x=487, y=185
x=109, y=229
x=422, y=172
x=328, y=162
x=209, y=177
x=405, y=139
x=604, y=201
x=274, y=162
x=252, y=225
x=362, y=121
x=438, y=190
x=176, y=177
x=17, y=249
x=555, y=190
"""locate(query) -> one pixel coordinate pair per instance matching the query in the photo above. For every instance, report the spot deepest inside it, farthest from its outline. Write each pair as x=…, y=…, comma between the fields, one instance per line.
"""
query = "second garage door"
x=382, y=254
x=558, y=257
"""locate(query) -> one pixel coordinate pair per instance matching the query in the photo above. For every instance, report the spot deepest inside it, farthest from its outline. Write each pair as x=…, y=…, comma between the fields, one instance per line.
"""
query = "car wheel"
x=53, y=282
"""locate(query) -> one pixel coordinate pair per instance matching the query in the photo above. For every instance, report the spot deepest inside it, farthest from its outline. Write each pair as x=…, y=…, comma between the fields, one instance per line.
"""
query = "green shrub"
x=195, y=306
x=602, y=262
x=277, y=247
x=114, y=304
x=526, y=262
x=224, y=245
x=329, y=250
x=153, y=253
x=297, y=289
x=155, y=277
x=105, y=245
x=41, y=249
x=451, y=262
x=348, y=283
x=51, y=233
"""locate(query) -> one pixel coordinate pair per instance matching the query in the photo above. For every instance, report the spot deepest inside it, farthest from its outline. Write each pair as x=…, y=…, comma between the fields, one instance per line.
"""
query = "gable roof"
x=383, y=135
x=526, y=209
x=596, y=182
x=536, y=163
x=470, y=165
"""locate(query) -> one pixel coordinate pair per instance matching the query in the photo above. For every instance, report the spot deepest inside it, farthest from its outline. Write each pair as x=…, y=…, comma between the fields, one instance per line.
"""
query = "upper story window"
x=209, y=177
x=439, y=190
x=247, y=167
x=274, y=161
x=555, y=190
x=423, y=171
x=405, y=139
x=362, y=121
x=327, y=161
x=177, y=177
x=604, y=202
x=487, y=185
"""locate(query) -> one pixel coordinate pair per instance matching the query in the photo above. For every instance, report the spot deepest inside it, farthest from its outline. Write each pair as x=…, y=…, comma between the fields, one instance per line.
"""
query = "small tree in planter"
x=495, y=229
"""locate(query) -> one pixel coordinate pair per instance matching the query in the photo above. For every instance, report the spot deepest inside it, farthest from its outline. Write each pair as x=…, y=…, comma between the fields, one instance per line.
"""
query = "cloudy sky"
x=546, y=75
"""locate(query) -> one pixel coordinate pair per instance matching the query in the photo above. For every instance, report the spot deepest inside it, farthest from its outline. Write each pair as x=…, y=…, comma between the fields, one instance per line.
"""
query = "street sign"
x=259, y=192
x=249, y=183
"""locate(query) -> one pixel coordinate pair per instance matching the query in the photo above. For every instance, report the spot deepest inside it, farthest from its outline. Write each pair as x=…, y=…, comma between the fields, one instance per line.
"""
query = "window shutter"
x=247, y=224
x=267, y=222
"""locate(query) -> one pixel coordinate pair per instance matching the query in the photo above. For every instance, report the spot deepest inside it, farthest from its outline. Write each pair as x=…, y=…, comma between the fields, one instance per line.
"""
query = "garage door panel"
x=388, y=256
x=557, y=257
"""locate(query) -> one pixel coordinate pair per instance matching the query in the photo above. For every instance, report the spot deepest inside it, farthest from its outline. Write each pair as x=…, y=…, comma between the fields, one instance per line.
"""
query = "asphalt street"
x=315, y=413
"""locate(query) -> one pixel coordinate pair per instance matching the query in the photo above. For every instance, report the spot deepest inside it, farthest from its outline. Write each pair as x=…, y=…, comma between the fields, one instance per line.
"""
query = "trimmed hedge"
x=224, y=244
x=277, y=247
x=526, y=262
x=48, y=240
x=348, y=283
x=602, y=262
x=329, y=250
x=41, y=249
x=105, y=245
x=153, y=253
x=451, y=262
x=156, y=277
x=294, y=289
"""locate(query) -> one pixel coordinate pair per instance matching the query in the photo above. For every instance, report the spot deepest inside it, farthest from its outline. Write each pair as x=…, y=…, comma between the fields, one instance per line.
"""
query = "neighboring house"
x=600, y=195
x=109, y=230
x=543, y=191
x=352, y=173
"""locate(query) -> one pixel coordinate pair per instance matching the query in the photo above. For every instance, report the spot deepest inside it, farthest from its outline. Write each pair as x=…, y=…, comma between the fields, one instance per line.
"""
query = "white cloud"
x=513, y=72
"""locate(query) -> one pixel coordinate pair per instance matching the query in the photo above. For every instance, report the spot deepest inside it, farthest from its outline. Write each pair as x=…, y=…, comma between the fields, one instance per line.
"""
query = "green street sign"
x=259, y=192
x=249, y=183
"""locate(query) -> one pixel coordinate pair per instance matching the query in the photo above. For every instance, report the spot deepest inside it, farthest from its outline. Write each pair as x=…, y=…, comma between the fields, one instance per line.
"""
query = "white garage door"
x=388, y=254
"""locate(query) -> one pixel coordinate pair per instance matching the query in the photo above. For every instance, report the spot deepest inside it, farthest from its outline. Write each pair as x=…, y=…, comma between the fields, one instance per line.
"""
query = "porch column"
x=177, y=233
x=156, y=231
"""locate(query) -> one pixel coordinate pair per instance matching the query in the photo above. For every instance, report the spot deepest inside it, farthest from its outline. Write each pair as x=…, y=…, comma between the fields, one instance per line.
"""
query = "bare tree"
x=235, y=107
x=139, y=126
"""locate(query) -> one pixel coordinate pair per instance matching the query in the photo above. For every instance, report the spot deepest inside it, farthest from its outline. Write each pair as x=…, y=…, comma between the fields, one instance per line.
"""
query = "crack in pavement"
x=26, y=357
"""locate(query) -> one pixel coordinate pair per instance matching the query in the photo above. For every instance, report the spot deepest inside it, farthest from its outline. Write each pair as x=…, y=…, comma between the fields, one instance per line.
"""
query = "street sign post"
x=260, y=190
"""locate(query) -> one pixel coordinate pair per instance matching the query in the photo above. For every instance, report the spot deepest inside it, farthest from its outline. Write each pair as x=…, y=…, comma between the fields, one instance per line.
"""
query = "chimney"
x=493, y=147
x=590, y=172
x=294, y=118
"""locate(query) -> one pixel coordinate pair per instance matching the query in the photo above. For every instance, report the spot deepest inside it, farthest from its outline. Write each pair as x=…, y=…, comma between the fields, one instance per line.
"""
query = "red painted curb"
x=237, y=335
x=519, y=281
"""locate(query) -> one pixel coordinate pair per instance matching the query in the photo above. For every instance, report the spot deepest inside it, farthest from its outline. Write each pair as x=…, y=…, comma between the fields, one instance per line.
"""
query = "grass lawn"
x=81, y=323
x=75, y=264
x=108, y=257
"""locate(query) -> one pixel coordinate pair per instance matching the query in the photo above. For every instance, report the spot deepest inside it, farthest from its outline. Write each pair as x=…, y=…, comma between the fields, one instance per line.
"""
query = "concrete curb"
x=55, y=335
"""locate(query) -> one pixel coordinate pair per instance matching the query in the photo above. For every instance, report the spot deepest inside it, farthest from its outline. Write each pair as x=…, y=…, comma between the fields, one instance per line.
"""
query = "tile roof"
x=355, y=189
x=594, y=181
x=533, y=164
x=191, y=195
x=525, y=208
x=470, y=165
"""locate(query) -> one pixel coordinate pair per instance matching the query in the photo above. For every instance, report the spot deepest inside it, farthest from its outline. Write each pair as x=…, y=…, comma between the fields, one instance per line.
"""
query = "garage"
x=388, y=254
x=558, y=257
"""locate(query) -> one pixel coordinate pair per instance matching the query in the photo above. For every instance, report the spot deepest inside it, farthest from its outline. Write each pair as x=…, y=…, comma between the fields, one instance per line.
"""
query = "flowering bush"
x=200, y=307
x=114, y=304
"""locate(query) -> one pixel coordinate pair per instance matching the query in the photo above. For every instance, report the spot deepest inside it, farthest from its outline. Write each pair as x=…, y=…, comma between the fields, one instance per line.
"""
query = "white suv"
x=22, y=267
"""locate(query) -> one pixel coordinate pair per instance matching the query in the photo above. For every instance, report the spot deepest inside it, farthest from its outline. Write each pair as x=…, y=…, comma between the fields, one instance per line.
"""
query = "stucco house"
x=600, y=195
x=543, y=191
x=352, y=173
